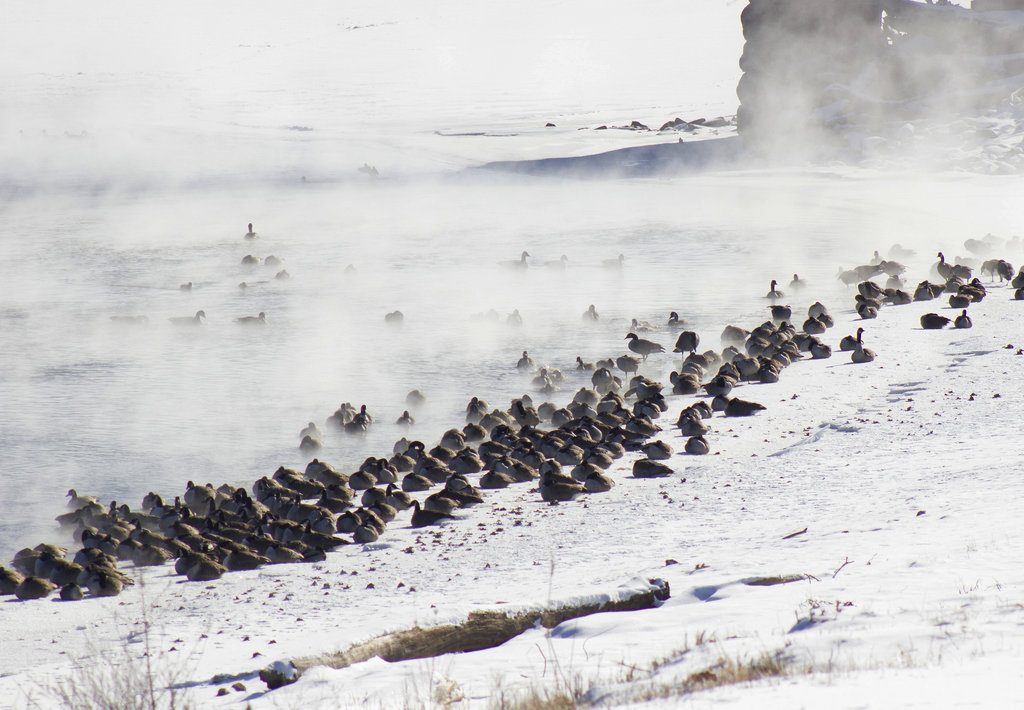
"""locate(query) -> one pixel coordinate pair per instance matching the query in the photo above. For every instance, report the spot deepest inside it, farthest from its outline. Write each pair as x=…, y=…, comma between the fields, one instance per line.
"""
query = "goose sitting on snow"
x=933, y=321
x=643, y=347
x=963, y=321
x=862, y=355
x=742, y=408
x=850, y=342
x=781, y=314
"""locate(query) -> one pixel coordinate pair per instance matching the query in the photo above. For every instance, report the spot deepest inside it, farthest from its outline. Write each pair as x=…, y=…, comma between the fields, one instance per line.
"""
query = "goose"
x=310, y=443
x=71, y=593
x=250, y=260
x=691, y=424
x=519, y=263
x=773, y=293
x=261, y=319
x=272, y=261
x=627, y=363
x=75, y=501
x=687, y=342
x=422, y=518
x=185, y=286
x=742, y=408
x=607, y=364
x=820, y=351
x=250, y=234
x=282, y=275
x=239, y=560
x=645, y=468
x=850, y=342
x=399, y=500
x=197, y=319
x=559, y=263
x=597, y=482
x=558, y=490
x=204, y=569
x=496, y=479
x=866, y=311
x=311, y=429
x=583, y=366
x=817, y=310
x=591, y=313
x=813, y=326
x=944, y=270
x=960, y=301
x=525, y=362
x=674, y=321
x=697, y=446
x=963, y=321
x=441, y=502
x=933, y=321
x=641, y=326
x=9, y=580
x=394, y=318
x=657, y=451
x=615, y=263
x=34, y=588
x=514, y=318
x=1018, y=295
x=643, y=347
x=797, y=283
x=862, y=355
x=1018, y=280
x=405, y=420
x=720, y=386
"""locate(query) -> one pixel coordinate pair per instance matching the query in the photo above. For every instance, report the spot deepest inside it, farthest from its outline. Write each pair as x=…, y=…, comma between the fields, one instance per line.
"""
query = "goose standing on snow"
x=261, y=319
x=197, y=319
x=643, y=347
x=774, y=294
x=687, y=342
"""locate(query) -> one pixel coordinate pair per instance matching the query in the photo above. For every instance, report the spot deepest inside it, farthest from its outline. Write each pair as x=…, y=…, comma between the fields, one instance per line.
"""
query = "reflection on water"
x=118, y=409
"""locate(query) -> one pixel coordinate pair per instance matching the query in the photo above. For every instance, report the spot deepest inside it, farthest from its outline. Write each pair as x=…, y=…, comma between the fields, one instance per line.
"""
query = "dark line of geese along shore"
x=294, y=516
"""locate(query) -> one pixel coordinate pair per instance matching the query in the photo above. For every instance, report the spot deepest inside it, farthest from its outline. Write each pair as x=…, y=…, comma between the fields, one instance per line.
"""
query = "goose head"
x=632, y=336
x=200, y=315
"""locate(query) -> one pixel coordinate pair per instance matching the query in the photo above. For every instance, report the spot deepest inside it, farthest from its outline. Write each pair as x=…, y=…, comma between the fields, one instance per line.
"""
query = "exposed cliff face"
x=814, y=67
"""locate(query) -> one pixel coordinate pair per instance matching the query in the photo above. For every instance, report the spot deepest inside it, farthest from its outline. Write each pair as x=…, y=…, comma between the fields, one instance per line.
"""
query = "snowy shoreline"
x=887, y=465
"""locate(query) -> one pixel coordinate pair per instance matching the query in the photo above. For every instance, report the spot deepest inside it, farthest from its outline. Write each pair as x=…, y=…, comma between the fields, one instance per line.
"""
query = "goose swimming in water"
x=394, y=318
x=674, y=321
x=560, y=263
x=615, y=263
x=197, y=319
x=405, y=420
x=250, y=260
x=773, y=293
x=797, y=284
x=933, y=321
x=514, y=319
x=963, y=321
x=643, y=347
x=525, y=362
x=591, y=313
x=580, y=365
x=186, y=286
x=261, y=319
x=520, y=263
x=250, y=234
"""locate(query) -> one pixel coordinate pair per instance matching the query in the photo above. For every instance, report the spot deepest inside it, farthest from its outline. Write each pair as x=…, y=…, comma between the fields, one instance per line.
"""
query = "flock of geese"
x=565, y=452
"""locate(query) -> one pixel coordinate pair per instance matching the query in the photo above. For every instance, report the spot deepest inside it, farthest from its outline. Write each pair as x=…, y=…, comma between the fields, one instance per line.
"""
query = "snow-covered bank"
x=890, y=466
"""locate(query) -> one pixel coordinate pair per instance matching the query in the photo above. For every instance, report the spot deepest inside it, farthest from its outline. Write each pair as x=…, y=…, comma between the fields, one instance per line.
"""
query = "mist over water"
x=118, y=410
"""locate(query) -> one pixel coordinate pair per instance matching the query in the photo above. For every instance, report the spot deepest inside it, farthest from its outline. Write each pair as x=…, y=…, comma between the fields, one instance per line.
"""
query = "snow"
x=909, y=490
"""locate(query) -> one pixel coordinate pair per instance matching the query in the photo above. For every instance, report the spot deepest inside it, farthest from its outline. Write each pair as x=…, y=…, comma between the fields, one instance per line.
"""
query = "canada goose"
x=657, y=451
x=850, y=342
x=394, y=318
x=405, y=420
x=250, y=234
x=71, y=593
x=76, y=501
x=687, y=342
x=185, y=286
x=9, y=580
x=591, y=313
x=556, y=490
x=597, y=482
x=1018, y=280
x=204, y=569
x=861, y=354
x=240, y=560
x=645, y=468
x=272, y=261
x=514, y=319
x=525, y=362
x=34, y=588
x=197, y=319
x=519, y=263
x=496, y=479
x=627, y=363
x=643, y=347
x=742, y=408
x=310, y=443
x=867, y=311
x=250, y=260
x=282, y=275
x=781, y=314
x=773, y=293
x=933, y=321
x=584, y=366
x=963, y=321
x=697, y=446
x=261, y=319
x=360, y=423
x=558, y=263
x=691, y=424
x=720, y=385
x=422, y=518
x=960, y=301
x=441, y=503
x=615, y=263
x=944, y=270
x=674, y=321
x=820, y=351
x=365, y=534
x=797, y=283
x=1018, y=295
